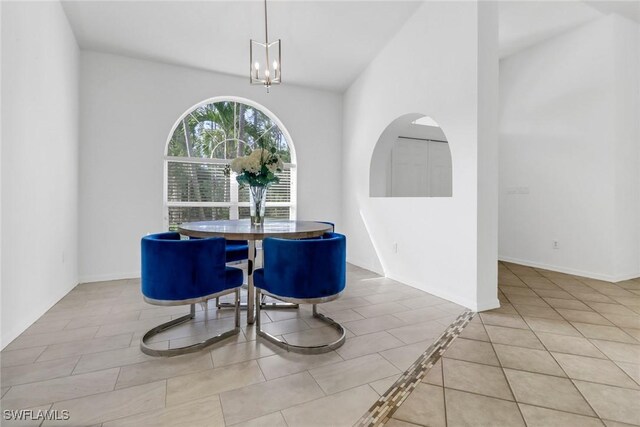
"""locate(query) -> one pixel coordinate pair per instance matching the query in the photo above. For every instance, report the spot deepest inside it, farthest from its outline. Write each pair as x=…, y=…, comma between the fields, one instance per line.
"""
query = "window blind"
x=197, y=182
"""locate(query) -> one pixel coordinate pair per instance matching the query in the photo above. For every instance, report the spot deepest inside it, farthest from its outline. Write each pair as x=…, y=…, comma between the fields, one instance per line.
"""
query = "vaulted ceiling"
x=326, y=44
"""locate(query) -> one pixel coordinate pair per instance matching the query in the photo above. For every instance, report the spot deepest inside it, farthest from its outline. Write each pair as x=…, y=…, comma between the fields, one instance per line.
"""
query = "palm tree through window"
x=198, y=183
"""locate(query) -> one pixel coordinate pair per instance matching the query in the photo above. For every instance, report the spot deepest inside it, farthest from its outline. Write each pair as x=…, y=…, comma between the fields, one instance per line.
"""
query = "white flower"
x=238, y=164
x=254, y=161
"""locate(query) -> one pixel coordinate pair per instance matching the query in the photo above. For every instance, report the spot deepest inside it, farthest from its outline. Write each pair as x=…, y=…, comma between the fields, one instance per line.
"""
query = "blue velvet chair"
x=181, y=272
x=310, y=271
x=237, y=250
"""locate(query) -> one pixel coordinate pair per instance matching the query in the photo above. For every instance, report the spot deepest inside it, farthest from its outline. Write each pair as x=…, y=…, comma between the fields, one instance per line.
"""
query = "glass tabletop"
x=243, y=229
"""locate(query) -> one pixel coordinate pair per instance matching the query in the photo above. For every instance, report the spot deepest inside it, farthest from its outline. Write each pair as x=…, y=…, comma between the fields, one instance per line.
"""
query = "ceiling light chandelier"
x=264, y=68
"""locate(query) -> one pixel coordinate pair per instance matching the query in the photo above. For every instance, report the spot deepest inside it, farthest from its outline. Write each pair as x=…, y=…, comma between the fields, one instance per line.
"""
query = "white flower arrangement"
x=258, y=168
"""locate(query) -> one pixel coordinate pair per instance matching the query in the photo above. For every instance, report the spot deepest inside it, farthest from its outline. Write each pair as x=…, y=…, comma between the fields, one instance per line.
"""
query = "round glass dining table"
x=243, y=229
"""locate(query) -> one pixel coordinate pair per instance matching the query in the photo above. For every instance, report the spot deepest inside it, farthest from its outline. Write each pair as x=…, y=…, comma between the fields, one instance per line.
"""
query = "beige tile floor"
x=83, y=356
x=562, y=351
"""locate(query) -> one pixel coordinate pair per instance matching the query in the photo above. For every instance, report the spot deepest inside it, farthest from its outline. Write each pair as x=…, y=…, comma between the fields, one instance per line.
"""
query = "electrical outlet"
x=556, y=244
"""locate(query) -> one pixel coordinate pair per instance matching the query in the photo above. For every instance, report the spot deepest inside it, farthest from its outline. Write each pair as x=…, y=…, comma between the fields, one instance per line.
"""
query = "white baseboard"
x=365, y=266
x=107, y=277
x=566, y=270
x=465, y=302
x=458, y=299
x=488, y=305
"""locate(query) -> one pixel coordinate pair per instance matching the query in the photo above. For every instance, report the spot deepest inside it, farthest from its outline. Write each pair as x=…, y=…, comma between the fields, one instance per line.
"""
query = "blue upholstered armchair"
x=309, y=271
x=237, y=250
x=181, y=272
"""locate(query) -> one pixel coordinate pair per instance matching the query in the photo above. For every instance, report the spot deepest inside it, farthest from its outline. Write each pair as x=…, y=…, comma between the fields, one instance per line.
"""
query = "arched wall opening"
x=412, y=158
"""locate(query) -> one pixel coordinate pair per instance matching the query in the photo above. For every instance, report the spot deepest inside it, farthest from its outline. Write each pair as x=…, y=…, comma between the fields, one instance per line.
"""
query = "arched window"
x=199, y=184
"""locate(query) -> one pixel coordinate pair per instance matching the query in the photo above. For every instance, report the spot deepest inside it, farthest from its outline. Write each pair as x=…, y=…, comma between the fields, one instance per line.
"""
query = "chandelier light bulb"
x=270, y=54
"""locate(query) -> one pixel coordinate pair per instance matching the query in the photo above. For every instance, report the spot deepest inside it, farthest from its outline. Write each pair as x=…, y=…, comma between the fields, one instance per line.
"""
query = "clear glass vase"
x=257, y=202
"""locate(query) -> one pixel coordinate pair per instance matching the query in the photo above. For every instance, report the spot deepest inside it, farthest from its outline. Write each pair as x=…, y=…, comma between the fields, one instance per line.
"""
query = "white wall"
x=569, y=150
x=39, y=162
x=430, y=67
x=626, y=127
x=128, y=109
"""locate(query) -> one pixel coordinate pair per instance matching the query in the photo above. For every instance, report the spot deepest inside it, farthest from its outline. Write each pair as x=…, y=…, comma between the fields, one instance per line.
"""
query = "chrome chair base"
x=263, y=305
x=277, y=305
x=146, y=349
x=316, y=349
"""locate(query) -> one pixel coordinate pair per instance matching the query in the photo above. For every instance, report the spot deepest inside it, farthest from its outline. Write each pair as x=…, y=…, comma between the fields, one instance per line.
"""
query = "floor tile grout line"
x=521, y=403
x=536, y=372
x=79, y=355
x=166, y=394
x=262, y=371
x=283, y=417
x=252, y=419
x=118, y=377
x=444, y=392
x=43, y=419
x=525, y=284
x=100, y=392
x=627, y=374
x=504, y=374
x=572, y=354
x=36, y=360
x=120, y=369
x=44, y=380
x=565, y=319
x=593, y=417
x=326, y=395
x=76, y=365
x=384, y=408
x=8, y=349
x=582, y=335
x=595, y=382
x=636, y=342
x=570, y=379
x=137, y=413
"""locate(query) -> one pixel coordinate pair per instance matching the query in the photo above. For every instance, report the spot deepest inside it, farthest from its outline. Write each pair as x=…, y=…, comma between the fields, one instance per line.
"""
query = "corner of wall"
x=487, y=146
x=39, y=263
